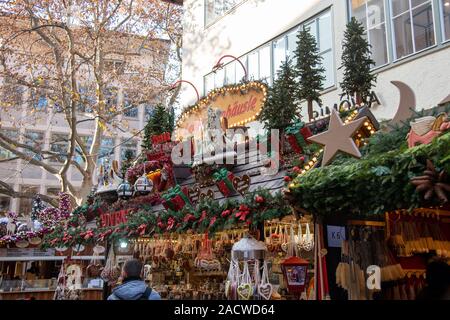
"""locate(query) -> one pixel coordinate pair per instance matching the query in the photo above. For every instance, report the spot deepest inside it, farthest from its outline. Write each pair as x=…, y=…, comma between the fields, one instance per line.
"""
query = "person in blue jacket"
x=133, y=287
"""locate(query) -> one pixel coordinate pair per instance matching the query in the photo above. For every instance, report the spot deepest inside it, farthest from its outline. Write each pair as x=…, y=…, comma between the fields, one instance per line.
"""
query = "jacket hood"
x=130, y=290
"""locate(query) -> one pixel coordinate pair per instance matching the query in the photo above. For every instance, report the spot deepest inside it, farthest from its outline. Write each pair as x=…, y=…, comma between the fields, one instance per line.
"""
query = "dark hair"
x=133, y=268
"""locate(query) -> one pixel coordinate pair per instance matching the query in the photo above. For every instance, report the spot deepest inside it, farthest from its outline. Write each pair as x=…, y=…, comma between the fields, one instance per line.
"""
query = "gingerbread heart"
x=265, y=291
x=244, y=291
x=208, y=194
x=194, y=194
x=241, y=184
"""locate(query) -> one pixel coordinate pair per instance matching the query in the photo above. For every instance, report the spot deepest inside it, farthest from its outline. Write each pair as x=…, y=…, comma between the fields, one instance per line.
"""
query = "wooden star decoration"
x=338, y=137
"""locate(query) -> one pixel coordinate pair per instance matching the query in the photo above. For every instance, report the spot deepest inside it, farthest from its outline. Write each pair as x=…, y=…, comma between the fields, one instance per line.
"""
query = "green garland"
x=377, y=183
x=208, y=216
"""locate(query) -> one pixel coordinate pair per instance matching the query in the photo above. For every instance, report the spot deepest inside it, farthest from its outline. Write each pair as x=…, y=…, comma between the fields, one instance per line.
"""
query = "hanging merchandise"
x=61, y=287
x=125, y=190
x=93, y=270
x=245, y=288
x=111, y=272
x=206, y=260
x=143, y=185
x=232, y=281
x=295, y=271
x=265, y=289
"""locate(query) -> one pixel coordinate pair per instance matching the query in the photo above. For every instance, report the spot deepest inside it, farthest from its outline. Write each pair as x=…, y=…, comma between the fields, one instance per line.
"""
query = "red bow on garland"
x=243, y=212
x=170, y=224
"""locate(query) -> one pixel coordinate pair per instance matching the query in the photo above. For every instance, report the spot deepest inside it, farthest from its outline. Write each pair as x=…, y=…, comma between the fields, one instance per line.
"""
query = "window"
x=149, y=110
x=87, y=142
x=445, y=18
x=10, y=94
x=214, y=9
x=87, y=100
x=59, y=143
x=39, y=98
x=115, y=66
x=230, y=73
x=106, y=149
x=13, y=135
x=264, y=63
x=34, y=139
x=412, y=26
x=5, y=203
x=240, y=73
x=111, y=100
x=25, y=204
x=53, y=192
x=253, y=66
x=127, y=103
x=219, y=77
x=320, y=27
x=260, y=64
x=130, y=145
x=279, y=53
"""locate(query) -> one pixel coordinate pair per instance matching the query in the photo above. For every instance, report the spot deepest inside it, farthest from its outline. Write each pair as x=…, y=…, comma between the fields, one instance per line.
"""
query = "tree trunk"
x=310, y=110
x=358, y=98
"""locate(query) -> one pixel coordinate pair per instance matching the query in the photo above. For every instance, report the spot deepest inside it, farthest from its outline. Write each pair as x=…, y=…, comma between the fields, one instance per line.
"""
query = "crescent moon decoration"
x=407, y=103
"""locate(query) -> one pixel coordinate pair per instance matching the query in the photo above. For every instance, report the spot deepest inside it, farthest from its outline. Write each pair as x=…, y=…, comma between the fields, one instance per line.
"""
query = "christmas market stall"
x=384, y=216
x=30, y=271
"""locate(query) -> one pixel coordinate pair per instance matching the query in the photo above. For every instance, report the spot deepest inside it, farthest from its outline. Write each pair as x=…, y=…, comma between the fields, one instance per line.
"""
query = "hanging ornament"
x=125, y=190
x=245, y=289
x=265, y=289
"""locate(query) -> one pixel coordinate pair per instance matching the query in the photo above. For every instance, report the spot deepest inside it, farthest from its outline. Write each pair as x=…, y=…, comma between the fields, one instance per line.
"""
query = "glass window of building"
x=106, y=150
x=253, y=66
x=279, y=53
x=292, y=44
x=131, y=110
x=219, y=78
x=445, y=10
x=13, y=134
x=230, y=73
x=240, y=73
x=264, y=63
x=214, y=9
x=371, y=13
x=24, y=203
x=413, y=26
x=320, y=28
x=5, y=203
x=111, y=99
x=87, y=100
x=59, y=144
x=34, y=139
x=78, y=154
x=148, y=110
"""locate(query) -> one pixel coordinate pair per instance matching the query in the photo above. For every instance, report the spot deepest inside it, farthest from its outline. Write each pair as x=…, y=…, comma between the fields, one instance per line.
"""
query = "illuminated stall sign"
x=114, y=218
x=239, y=104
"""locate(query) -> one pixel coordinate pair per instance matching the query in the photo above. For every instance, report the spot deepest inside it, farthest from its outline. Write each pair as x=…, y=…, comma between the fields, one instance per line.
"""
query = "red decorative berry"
x=287, y=178
x=259, y=199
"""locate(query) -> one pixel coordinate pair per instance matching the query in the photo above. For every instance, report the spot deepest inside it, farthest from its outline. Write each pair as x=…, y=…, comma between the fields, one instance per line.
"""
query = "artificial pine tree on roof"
x=357, y=62
x=280, y=108
x=309, y=70
x=159, y=122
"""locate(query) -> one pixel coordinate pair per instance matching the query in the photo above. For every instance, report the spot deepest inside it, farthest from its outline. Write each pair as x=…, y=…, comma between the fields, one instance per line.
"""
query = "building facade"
x=35, y=119
x=410, y=44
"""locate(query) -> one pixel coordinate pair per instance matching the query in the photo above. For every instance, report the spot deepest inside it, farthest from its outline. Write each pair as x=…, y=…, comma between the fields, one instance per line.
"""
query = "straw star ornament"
x=338, y=137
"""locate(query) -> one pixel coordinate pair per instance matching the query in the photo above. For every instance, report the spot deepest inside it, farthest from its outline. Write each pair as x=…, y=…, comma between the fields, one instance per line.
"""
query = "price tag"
x=335, y=235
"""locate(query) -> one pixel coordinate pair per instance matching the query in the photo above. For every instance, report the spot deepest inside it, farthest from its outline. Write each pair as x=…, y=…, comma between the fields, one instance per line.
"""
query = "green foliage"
x=309, y=69
x=377, y=183
x=161, y=121
x=357, y=62
x=207, y=216
x=127, y=162
x=280, y=108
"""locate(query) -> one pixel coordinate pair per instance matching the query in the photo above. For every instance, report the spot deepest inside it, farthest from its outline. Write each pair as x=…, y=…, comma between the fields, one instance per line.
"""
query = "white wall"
x=254, y=22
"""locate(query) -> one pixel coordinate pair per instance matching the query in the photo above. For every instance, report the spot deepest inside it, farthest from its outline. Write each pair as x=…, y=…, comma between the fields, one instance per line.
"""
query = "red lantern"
x=295, y=271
